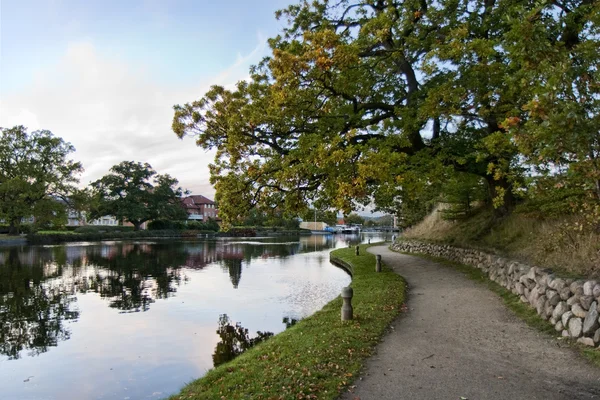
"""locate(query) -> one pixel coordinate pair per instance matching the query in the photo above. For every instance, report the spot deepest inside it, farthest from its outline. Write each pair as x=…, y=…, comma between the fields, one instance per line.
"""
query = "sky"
x=104, y=75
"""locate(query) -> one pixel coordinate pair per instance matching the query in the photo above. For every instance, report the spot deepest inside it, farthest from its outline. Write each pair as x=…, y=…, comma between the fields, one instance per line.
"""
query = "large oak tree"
x=383, y=99
x=35, y=170
x=135, y=192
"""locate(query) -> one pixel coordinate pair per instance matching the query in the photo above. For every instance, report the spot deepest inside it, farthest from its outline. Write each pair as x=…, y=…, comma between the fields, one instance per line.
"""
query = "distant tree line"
x=38, y=181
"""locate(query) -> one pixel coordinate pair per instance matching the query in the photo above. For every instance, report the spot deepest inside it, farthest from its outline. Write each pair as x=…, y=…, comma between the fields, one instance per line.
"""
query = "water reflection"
x=235, y=339
x=139, y=307
x=38, y=284
x=33, y=307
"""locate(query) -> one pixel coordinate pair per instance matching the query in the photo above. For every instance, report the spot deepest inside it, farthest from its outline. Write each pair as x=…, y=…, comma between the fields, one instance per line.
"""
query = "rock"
x=559, y=310
x=519, y=288
x=565, y=293
x=557, y=284
x=590, y=323
x=553, y=297
x=573, y=300
x=541, y=290
x=575, y=327
x=531, y=273
x=576, y=287
x=578, y=311
x=533, y=297
x=586, y=341
x=565, y=333
x=596, y=291
x=540, y=305
x=524, y=299
x=596, y=337
x=558, y=326
x=566, y=317
x=548, y=309
x=588, y=288
x=586, y=302
x=529, y=284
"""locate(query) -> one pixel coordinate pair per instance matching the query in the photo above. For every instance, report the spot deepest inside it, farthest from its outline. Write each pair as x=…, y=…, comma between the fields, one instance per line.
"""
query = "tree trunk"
x=504, y=188
x=136, y=225
x=13, y=227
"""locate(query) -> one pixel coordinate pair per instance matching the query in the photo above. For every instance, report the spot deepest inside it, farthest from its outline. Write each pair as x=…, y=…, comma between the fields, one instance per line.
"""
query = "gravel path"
x=458, y=341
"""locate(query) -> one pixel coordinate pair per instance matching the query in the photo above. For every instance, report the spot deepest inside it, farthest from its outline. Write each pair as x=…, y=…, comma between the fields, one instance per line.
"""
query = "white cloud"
x=112, y=111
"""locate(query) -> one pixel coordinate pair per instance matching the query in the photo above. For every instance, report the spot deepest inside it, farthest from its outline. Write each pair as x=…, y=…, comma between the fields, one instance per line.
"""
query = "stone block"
x=575, y=327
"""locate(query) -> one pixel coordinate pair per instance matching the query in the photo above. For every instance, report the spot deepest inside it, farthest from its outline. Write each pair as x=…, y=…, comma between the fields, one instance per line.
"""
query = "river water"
x=139, y=319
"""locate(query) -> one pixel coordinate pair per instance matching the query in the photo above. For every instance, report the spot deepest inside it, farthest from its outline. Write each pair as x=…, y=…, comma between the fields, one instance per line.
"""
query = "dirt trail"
x=458, y=341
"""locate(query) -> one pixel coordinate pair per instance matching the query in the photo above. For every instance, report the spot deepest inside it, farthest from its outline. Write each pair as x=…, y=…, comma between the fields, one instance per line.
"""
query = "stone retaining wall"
x=572, y=306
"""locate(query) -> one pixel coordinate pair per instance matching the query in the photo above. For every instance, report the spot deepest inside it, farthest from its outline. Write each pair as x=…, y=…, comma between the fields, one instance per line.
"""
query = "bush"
x=103, y=228
x=209, y=225
x=49, y=237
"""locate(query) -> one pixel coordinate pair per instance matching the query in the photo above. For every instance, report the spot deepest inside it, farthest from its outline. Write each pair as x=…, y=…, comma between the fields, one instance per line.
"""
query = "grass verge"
x=319, y=356
x=512, y=301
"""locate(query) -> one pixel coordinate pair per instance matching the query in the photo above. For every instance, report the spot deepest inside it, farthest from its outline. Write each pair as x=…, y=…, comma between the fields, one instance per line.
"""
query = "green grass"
x=319, y=356
x=512, y=301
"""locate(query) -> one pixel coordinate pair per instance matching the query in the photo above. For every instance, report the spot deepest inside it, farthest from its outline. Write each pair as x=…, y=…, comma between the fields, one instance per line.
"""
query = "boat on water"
x=348, y=229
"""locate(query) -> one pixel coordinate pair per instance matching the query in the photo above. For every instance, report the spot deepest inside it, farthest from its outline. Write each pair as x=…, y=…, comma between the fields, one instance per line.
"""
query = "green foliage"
x=386, y=101
x=102, y=228
x=327, y=216
x=354, y=219
x=134, y=192
x=52, y=237
x=34, y=171
x=209, y=225
x=462, y=193
x=320, y=355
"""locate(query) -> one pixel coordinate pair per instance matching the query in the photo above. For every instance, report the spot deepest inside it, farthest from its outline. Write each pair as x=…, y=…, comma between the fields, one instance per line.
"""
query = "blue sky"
x=104, y=75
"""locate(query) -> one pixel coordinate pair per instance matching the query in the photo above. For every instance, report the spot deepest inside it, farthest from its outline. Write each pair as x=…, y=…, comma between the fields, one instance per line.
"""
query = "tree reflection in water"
x=38, y=285
x=234, y=340
x=33, y=307
x=137, y=275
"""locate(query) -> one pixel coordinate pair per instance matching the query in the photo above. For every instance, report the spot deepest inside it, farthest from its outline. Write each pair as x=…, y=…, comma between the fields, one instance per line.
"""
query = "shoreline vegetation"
x=54, y=237
x=320, y=356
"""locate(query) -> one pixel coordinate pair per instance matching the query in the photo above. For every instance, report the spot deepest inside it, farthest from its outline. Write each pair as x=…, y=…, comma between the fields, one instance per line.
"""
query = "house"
x=199, y=208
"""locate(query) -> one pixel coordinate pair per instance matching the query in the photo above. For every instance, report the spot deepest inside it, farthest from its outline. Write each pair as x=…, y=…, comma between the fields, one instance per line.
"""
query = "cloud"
x=113, y=111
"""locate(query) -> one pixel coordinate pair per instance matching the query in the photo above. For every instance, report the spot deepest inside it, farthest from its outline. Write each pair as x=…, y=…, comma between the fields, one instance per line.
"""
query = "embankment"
x=319, y=356
x=571, y=305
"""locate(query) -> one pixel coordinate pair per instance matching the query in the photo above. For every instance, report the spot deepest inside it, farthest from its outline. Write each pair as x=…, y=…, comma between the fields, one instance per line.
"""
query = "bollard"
x=378, y=263
x=347, y=294
x=357, y=250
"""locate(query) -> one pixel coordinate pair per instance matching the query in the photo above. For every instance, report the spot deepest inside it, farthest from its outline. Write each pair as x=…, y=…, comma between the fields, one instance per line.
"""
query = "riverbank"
x=7, y=240
x=319, y=356
x=55, y=237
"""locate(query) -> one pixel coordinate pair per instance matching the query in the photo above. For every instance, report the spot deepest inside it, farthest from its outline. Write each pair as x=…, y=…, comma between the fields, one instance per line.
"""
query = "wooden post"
x=378, y=263
x=347, y=310
x=357, y=250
